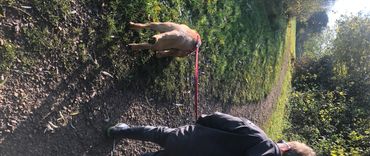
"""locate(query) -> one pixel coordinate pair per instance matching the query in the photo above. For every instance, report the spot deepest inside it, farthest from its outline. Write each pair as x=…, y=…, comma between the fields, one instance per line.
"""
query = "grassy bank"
x=239, y=59
x=240, y=54
x=277, y=123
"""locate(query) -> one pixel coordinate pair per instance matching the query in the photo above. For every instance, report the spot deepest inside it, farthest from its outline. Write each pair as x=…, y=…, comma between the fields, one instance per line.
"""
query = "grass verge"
x=277, y=122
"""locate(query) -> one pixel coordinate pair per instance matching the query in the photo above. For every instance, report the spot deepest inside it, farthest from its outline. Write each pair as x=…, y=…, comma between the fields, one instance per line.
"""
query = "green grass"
x=277, y=122
x=292, y=36
x=11, y=56
x=7, y=56
x=239, y=60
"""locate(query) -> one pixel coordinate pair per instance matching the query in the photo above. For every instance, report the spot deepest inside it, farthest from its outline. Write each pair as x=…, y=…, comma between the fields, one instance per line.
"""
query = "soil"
x=43, y=113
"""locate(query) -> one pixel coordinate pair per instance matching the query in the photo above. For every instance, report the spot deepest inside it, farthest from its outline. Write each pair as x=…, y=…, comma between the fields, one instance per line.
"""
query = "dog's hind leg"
x=140, y=46
x=156, y=26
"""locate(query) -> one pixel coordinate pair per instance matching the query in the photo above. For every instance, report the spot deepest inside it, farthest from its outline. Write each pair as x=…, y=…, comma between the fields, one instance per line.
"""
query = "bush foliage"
x=330, y=104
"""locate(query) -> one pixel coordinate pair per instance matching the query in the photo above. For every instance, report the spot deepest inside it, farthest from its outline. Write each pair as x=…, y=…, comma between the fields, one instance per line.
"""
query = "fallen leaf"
x=48, y=128
x=53, y=125
x=179, y=105
x=75, y=113
x=106, y=74
x=26, y=7
x=72, y=126
x=2, y=81
x=62, y=119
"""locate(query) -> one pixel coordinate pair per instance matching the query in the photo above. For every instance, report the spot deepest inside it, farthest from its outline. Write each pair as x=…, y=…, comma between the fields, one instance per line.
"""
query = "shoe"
x=116, y=129
x=129, y=47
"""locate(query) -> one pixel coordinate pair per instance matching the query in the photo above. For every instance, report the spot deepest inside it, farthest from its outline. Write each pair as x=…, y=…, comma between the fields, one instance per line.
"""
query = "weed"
x=7, y=56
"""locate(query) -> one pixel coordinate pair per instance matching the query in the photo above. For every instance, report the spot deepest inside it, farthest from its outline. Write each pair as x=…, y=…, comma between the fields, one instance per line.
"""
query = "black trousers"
x=217, y=134
x=158, y=135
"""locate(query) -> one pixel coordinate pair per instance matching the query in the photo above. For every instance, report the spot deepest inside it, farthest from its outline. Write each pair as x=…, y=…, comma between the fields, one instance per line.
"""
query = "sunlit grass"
x=277, y=122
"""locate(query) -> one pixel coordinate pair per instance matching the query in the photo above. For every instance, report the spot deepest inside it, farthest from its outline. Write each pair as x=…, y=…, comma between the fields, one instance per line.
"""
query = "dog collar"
x=198, y=41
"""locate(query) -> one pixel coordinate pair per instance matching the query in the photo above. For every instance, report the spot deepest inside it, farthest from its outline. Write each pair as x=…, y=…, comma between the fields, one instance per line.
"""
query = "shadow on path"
x=80, y=130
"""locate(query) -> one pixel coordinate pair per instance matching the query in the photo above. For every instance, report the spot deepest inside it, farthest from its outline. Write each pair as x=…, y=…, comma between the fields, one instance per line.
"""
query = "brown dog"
x=174, y=39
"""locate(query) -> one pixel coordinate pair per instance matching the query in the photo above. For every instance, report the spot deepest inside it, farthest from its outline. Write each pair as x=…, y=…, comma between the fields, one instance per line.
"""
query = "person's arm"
x=221, y=121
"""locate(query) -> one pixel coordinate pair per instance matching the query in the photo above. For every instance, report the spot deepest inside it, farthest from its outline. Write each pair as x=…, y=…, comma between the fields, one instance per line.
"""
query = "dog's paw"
x=159, y=55
x=128, y=47
x=132, y=25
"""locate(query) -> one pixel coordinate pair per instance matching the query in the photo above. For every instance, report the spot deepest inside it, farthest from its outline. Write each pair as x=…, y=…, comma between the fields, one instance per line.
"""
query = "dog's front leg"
x=138, y=26
x=172, y=52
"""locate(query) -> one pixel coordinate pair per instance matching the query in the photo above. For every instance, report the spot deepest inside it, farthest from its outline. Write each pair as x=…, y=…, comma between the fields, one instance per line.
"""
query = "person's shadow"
x=84, y=132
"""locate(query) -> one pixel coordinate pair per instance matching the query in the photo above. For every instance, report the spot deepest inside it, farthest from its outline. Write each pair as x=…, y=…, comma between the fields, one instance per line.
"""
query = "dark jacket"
x=220, y=134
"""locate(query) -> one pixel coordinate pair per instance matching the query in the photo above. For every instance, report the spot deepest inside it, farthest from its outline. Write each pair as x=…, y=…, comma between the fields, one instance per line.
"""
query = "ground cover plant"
x=329, y=107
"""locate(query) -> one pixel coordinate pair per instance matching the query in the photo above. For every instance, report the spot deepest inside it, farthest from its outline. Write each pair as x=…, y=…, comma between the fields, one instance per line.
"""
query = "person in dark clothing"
x=216, y=134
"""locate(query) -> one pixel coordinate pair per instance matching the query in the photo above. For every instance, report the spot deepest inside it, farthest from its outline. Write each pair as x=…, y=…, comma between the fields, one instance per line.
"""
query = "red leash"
x=196, y=75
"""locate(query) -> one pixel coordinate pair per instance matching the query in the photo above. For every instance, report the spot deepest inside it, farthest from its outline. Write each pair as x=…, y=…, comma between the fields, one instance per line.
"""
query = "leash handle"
x=196, y=76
